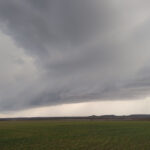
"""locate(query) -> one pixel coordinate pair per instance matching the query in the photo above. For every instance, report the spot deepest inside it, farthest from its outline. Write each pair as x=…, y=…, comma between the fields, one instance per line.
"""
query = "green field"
x=75, y=135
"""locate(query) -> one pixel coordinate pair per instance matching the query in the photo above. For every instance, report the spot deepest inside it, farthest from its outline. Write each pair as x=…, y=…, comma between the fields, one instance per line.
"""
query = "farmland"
x=74, y=135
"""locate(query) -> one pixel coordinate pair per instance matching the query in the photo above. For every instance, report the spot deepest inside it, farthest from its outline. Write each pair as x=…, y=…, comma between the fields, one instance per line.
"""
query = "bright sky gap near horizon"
x=74, y=57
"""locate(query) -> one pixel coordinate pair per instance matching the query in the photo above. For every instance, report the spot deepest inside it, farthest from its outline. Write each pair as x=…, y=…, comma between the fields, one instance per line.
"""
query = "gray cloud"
x=83, y=50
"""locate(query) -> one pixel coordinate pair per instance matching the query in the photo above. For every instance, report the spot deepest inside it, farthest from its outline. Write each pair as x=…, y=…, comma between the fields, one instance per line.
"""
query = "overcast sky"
x=74, y=57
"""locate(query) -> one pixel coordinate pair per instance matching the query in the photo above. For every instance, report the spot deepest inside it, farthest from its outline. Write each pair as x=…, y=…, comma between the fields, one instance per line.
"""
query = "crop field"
x=74, y=135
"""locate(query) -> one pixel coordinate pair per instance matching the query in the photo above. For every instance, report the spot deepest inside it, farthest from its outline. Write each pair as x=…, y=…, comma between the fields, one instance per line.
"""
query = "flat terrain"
x=74, y=135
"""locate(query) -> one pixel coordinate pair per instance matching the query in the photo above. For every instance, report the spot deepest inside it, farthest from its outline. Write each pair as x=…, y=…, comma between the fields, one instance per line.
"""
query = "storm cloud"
x=75, y=51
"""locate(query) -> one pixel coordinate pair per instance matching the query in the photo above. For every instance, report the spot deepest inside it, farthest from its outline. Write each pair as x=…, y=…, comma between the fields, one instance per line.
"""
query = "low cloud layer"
x=70, y=51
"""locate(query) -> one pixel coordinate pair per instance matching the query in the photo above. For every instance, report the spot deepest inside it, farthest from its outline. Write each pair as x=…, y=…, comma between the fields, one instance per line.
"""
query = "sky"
x=74, y=57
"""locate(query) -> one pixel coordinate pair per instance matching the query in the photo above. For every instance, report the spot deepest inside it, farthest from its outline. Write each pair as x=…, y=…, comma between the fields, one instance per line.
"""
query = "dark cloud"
x=83, y=50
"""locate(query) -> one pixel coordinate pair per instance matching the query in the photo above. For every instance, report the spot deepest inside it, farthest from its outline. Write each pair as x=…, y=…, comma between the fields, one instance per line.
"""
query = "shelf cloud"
x=70, y=51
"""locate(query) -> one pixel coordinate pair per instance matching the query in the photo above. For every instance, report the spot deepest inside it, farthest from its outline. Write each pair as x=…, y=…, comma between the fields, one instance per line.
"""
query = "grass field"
x=75, y=135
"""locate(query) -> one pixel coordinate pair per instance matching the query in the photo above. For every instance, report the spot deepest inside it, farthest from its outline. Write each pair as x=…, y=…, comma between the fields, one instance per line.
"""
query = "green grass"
x=75, y=135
